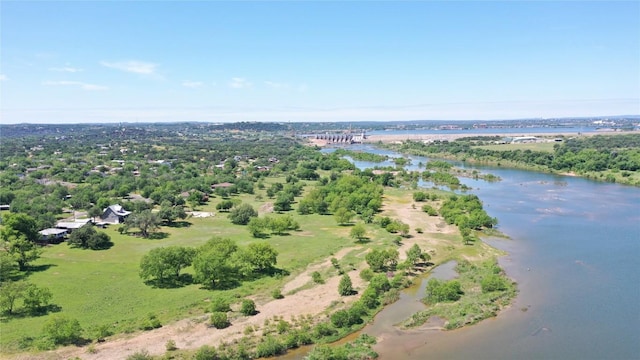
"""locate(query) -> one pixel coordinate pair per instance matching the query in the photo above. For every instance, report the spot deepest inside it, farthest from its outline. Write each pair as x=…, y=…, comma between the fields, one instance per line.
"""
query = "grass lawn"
x=104, y=288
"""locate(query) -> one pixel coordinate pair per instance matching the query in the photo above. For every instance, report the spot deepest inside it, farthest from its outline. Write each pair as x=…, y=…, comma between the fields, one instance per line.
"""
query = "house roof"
x=118, y=210
x=52, y=231
x=224, y=184
x=72, y=224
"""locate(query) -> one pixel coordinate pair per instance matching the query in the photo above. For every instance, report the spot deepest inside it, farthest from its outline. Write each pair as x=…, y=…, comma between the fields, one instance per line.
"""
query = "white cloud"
x=132, y=66
x=82, y=85
x=276, y=85
x=3, y=77
x=192, y=84
x=240, y=83
x=68, y=69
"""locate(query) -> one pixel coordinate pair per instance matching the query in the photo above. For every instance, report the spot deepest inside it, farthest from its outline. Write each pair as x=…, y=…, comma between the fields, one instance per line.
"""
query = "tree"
x=358, y=232
x=8, y=266
x=282, y=203
x=258, y=226
x=22, y=251
x=224, y=205
x=413, y=254
x=170, y=213
x=62, y=330
x=343, y=216
x=17, y=224
x=36, y=299
x=213, y=263
x=345, y=288
x=18, y=235
x=88, y=238
x=258, y=258
x=10, y=292
x=242, y=214
x=160, y=263
x=146, y=221
x=94, y=212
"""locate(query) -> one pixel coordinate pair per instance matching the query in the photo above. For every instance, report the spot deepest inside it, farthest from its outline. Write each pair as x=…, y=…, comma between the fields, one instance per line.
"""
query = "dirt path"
x=193, y=333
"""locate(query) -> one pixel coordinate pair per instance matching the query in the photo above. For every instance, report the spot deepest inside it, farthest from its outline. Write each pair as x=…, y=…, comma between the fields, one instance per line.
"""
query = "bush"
x=317, y=278
x=62, y=330
x=248, y=307
x=270, y=347
x=277, y=294
x=429, y=210
x=206, y=352
x=151, y=322
x=345, y=288
x=439, y=291
x=219, y=304
x=493, y=282
x=323, y=329
x=171, y=345
x=340, y=318
x=366, y=274
x=140, y=355
x=420, y=196
x=219, y=320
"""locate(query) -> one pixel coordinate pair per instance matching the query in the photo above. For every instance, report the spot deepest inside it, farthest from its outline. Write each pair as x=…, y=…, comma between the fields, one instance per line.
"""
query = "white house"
x=114, y=214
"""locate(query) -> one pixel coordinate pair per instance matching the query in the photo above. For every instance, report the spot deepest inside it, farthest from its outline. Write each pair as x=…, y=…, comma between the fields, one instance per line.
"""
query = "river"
x=574, y=251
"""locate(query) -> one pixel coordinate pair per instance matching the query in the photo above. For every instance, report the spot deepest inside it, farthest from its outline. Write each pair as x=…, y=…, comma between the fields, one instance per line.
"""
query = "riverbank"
x=390, y=138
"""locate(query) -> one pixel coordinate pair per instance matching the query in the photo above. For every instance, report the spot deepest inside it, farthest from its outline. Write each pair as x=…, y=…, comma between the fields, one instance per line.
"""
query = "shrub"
x=219, y=304
x=379, y=283
x=140, y=355
x=317, y=278
x=345, y=288
x=248, y=307
x=219, y=320
x=366, y=274
x=151, y=322
x=277, y=294
x=493, y=282
x=270, y=347
x=323, y=329
x=429, y=210
x=340, y=318
x=439, y=291
x=62, y=330
x=170, y=345
x=206, y=352
x=420, y=196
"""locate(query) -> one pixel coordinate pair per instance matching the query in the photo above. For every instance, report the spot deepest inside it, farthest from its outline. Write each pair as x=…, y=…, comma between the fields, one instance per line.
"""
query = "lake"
x=574, y=251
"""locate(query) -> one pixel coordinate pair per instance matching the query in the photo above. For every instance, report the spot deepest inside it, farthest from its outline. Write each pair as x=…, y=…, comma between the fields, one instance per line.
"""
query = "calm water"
x=574, y=252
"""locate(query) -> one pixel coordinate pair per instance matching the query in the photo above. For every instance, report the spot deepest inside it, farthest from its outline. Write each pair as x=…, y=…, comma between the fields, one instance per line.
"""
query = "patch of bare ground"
x=193, y=333
x=416, y=218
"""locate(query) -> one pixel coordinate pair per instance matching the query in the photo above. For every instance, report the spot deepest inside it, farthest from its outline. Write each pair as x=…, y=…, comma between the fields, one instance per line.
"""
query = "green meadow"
x=103, y=288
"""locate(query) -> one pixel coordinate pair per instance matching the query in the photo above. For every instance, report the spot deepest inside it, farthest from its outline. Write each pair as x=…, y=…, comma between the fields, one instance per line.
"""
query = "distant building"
x=53, y=234
x=221, y=185
x=72, y=225
x=524, y=139
x=114, y=214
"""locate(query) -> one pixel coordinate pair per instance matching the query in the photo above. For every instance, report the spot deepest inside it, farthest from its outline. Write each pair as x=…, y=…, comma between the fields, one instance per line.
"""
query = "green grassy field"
x=103, y=287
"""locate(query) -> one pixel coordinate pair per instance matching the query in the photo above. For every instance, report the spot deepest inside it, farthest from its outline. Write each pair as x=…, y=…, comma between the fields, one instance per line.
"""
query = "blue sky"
x=113, y=61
